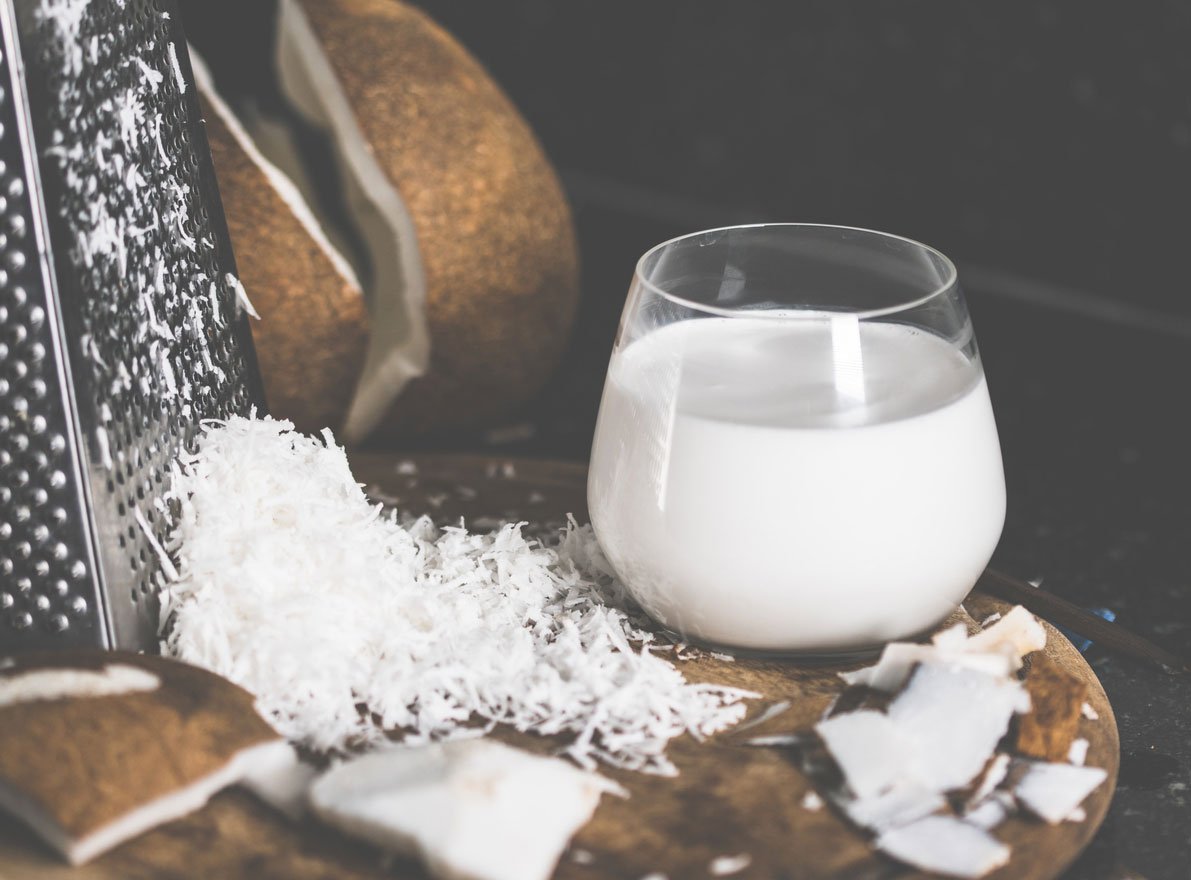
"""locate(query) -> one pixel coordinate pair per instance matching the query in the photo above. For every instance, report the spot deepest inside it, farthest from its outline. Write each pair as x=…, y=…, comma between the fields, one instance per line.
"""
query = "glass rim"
x=948, y=282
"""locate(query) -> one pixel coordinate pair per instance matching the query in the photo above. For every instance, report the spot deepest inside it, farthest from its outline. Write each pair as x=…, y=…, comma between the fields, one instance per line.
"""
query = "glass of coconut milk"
x=795, y=451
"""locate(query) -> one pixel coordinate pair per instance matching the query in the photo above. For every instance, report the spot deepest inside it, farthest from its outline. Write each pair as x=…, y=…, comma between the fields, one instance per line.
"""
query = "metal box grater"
x=121, y=324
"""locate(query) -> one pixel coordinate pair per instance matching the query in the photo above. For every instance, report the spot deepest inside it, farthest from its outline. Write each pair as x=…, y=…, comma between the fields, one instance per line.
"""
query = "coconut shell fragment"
x=1050, y=727
x=91, y=770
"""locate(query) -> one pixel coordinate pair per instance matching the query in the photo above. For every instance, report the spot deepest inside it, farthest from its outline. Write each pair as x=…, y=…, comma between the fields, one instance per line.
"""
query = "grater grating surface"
x=121, y=325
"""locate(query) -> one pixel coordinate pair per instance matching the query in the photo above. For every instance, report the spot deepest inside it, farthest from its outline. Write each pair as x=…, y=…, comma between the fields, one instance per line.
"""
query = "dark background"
x=1046, y=147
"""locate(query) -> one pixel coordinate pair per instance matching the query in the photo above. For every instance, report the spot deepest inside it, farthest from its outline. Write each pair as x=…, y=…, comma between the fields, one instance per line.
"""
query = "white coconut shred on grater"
x=122, y=320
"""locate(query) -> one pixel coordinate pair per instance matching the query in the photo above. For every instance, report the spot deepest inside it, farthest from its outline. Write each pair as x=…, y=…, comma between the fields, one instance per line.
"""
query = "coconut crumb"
x=812, y=802
x=990, y=620
x=407, y=468
x=726, y=866
x=582, y=857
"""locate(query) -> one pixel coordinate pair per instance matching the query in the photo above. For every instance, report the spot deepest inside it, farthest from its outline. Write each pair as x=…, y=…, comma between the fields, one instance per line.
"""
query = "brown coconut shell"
x=312, y=335
x=77, y=765
x=493, y=227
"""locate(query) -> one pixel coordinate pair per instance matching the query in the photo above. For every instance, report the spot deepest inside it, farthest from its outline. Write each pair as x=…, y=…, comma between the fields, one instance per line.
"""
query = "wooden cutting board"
x=729, y=798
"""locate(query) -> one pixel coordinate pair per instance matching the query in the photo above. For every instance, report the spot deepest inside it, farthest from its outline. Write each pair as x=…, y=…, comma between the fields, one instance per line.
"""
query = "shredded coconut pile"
x=346, y=624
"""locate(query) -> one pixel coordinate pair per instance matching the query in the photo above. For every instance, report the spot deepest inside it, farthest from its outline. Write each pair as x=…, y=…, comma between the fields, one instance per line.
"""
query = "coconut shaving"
x=349, y=623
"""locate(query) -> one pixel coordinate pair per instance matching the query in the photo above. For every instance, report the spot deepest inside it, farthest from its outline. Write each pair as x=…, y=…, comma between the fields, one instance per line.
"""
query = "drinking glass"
x=795, y=450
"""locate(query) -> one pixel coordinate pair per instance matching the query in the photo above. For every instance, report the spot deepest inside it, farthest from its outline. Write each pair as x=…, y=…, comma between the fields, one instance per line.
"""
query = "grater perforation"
x=123, y=327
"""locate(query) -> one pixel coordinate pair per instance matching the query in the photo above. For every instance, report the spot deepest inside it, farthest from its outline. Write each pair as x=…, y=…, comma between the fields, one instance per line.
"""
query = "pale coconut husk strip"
x=399, y=346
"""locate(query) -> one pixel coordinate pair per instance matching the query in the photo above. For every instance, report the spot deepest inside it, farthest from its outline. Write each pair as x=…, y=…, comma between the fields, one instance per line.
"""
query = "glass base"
x=842, y=657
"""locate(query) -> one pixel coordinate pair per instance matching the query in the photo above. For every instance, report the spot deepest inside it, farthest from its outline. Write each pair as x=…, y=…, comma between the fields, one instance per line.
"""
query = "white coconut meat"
x=1078, y=752
x=474, y=810
x=870, y=750
x=281, y=181
x=945, y=845
x=994, y=774
x=997, y=651
x=990, y=812
x=61, y=684
x=399, y=341
x=954, y=717
x=1015, y=635
x=282, y=780
x=1053, y=792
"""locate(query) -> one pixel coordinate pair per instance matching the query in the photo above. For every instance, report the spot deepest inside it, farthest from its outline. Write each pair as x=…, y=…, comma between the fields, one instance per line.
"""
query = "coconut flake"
x=997, y=651
x=994, y=774
x=726, y=866
x=991, y=811
x=812, y=802
x=1078, y=753
x=945, y=845
x=1088, y=712
x=1054, y=791
x=293, y=585
x=475, y=809
x=61, y=684
x=1016, y=634
x=771, y=711
x=241, y=295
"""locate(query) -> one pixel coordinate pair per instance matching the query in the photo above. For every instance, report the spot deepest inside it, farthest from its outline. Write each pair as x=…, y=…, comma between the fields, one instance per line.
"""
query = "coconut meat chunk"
x=955, y=718
x=399, y=344
x=945, y=845
x=869, y=749
x=1053, y=792
x=473, y=809
x=997, y=651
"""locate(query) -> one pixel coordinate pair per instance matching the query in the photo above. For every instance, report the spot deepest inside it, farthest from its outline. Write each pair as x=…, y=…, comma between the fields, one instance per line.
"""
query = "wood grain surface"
x=729, y=798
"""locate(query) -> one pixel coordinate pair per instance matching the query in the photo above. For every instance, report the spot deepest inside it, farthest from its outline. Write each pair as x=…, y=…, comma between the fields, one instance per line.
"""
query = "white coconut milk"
x=796, y=485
